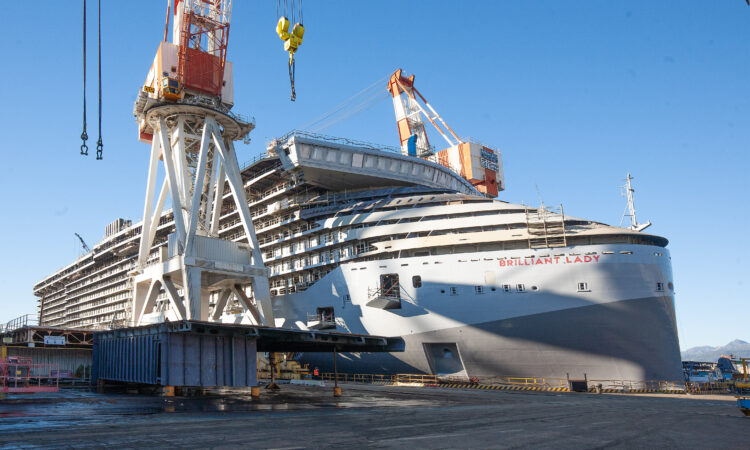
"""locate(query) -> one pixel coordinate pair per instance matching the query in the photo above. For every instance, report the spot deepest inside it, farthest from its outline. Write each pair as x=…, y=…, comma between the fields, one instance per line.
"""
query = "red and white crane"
x=182, y=110
x=477, y=163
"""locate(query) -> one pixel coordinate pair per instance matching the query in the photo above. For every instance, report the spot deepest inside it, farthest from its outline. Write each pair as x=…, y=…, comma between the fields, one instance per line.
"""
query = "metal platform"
x=206, y=354
x=38, y=336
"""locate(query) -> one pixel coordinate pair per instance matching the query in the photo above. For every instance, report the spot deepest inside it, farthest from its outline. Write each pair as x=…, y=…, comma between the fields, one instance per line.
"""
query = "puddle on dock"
x=69, y=408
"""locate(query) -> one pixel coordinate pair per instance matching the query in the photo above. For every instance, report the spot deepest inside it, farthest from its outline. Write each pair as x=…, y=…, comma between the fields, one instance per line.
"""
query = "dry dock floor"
x=372, y=416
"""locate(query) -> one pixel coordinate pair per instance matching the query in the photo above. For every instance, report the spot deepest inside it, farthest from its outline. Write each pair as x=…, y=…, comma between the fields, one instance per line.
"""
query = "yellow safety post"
x=167, y=391
x=255, y=391
x=336, y=388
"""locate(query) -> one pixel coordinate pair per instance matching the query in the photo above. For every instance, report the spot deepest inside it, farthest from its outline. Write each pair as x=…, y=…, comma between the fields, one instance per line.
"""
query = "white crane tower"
x=183, y=112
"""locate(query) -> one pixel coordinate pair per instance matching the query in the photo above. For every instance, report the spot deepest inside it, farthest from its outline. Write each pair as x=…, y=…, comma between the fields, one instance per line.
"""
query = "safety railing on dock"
x=356, y=378
x=624, y=386
x=709, y=387
x=526, y=383
x=523, y=381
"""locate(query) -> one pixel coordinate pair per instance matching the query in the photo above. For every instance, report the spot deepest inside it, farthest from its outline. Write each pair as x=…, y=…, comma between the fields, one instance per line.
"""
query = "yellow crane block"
x=282, y=28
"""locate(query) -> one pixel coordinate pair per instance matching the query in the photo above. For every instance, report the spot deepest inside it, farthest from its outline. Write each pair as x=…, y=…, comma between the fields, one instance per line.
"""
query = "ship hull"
x=619, y=325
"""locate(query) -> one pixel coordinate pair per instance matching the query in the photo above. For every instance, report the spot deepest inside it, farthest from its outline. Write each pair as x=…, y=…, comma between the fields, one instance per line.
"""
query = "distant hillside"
x=705, y=353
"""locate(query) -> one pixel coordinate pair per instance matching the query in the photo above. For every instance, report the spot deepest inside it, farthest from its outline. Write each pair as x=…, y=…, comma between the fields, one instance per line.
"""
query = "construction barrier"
x=629, y=386
x=502, y=387
x=20, y=375
x=527, y=383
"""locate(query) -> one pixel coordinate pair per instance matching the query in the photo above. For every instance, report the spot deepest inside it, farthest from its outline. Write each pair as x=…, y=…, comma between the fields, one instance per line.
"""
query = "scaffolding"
x=546, y=227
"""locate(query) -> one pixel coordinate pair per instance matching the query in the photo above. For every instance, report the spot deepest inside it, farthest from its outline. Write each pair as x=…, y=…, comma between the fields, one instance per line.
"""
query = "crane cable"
x=361, y=101
x=84, y=135
x=99, y=144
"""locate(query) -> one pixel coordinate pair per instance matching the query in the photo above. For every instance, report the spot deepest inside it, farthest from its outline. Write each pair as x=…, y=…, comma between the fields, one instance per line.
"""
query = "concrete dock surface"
x=372, y=416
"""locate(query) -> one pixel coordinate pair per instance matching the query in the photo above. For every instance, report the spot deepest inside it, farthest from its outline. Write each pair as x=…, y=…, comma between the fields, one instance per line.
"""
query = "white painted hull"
x=481, y=308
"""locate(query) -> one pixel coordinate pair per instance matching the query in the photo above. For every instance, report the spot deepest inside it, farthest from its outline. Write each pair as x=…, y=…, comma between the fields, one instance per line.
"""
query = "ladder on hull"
x=546, y=227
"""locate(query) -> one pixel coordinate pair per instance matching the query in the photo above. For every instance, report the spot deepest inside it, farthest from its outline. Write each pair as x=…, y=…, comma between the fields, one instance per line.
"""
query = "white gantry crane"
x=182, y=110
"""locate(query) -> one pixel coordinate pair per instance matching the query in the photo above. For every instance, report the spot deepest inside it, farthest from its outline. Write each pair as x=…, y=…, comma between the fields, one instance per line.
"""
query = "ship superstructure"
x=364, y=239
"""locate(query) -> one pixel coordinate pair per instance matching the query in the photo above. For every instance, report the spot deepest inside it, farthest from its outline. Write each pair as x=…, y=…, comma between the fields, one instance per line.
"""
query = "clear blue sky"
x=575, y=94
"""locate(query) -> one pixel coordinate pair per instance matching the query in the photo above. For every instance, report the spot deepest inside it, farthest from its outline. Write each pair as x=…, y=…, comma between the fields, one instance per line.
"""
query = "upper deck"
x=338, y=164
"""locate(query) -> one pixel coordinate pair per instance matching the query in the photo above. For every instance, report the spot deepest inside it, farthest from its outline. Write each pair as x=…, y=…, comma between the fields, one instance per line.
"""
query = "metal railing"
x=334, y=139
x=711, y=387
x=254, y=159
x=402, y=378
x=27, y=320
x=623, y=386
x=20, y=375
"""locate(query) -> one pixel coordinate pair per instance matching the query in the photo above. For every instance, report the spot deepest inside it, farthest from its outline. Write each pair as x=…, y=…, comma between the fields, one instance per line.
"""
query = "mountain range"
x=737, y=347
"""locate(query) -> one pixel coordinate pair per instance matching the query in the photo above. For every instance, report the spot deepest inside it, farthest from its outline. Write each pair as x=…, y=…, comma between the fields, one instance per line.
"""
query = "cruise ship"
x=366, y=239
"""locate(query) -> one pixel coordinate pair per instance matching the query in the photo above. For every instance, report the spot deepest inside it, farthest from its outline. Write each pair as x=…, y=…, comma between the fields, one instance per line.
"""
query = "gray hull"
x=626, y=340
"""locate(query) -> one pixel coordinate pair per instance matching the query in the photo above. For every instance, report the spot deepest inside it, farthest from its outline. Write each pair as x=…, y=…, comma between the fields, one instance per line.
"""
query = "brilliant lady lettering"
x=550, y=260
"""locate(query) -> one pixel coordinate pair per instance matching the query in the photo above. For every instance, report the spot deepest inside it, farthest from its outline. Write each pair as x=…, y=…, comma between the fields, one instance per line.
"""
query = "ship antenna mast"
x=630, y=208
x=539, y=194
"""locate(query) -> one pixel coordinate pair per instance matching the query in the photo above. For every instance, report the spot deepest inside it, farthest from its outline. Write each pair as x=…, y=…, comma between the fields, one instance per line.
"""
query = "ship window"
x=506, y=287
x=583, y=287
x=534, y=288
x=454, y=291
x=493, y=289
x=416, y=281
x=659, y=286
x=520, y=287
x=670, y=285
x=479, y=289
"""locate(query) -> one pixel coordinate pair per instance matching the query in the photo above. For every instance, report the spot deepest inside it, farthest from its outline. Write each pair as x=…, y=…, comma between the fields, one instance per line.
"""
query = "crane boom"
x=83, y=243
x=476, y=162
